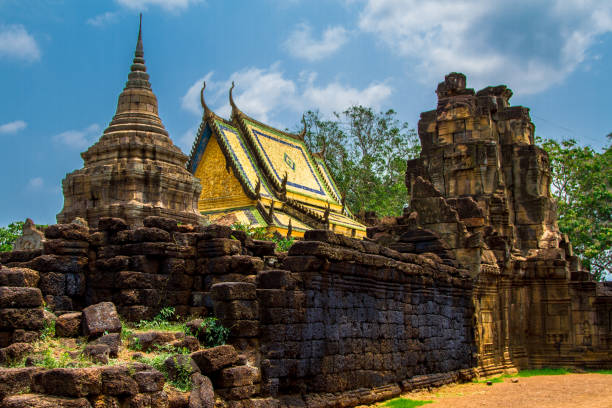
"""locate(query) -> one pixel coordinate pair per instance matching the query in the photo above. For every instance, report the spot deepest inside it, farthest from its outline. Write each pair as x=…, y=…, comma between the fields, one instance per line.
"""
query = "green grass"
x=405, y=403
x=599, y=371
x=498, y=379
x=543, y=371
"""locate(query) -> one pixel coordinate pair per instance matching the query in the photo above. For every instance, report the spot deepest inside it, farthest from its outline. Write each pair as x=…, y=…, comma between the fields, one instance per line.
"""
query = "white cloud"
x=528, y=44
x=35, y=183
x=301, y=44
x=191, y=100
x=103, y=19
x=12, y=127
x=170, y=5
x=17, y=43
x=265, y=93
x=78, y=139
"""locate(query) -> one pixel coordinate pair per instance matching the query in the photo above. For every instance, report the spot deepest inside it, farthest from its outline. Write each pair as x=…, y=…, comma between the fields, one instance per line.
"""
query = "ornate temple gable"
x=284, y=185
x=134, y=170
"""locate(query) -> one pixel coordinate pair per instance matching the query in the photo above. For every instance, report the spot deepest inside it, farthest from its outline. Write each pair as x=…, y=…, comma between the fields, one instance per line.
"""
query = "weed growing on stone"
x=182, y=381
x=215, y=334
x=165, y=320
x=48, y=330
x=405, y=403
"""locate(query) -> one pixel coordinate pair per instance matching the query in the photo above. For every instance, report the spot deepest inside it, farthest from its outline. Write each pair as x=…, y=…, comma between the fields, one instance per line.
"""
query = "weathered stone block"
x=69, y=325
x=237, y=376
x=14, y=297
x=32, y=319
x=72, y=382
x=98, y=353
x=202, y=395
x=100, y=318
x=112, y=340
x=117, y=381
x=149, y=381
x=229, y=291
x=43, y=401
x=149, y=340
x=18, y=277
x=215, y=358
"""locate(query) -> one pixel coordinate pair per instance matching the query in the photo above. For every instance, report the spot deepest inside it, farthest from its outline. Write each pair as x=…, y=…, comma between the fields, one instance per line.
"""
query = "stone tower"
x=133, y=170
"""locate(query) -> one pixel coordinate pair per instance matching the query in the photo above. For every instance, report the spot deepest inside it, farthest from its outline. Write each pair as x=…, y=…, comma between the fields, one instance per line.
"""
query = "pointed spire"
x=138, y=77
x=289, y=229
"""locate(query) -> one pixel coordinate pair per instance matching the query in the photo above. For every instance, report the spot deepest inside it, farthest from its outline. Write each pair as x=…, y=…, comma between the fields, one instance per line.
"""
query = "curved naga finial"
x=231, y=98
x=302, y=135
x=202, y=101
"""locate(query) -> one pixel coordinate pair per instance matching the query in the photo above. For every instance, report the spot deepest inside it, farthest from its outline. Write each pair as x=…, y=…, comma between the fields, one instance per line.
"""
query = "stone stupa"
x=134, y=170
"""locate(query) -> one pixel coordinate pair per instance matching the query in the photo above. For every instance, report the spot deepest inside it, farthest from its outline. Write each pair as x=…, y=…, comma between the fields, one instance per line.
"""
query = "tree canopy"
x=582, y=185
x=9, y=234
x=366, y=153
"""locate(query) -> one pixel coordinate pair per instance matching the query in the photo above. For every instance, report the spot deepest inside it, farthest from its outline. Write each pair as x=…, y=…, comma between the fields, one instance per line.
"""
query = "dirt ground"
x=555, y=391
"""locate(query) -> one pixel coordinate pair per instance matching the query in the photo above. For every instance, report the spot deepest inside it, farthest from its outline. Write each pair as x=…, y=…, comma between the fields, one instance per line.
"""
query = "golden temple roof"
x=253, y=172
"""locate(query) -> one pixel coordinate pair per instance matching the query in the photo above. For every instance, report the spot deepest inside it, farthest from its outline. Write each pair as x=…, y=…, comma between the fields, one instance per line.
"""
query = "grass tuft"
x=543, y=371
x=405, y=403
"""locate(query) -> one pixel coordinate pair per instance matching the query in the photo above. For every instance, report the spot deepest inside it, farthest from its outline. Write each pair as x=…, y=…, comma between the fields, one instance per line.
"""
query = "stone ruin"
x=134, y=170
x=474, y=279
x=480, y=198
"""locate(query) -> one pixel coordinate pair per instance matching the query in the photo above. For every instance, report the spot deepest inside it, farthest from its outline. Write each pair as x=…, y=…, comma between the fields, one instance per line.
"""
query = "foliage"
x=582, y=184
x=164, y=320
x=282, y=244
x=405, y=403
x=9, y=234
x=183, y=371
x=252, y=231
x=215, y=334
x=366, y=153
x=48, y=330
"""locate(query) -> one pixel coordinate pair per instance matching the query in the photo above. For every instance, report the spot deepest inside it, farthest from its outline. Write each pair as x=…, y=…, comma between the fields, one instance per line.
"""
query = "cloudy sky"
x=64, y=62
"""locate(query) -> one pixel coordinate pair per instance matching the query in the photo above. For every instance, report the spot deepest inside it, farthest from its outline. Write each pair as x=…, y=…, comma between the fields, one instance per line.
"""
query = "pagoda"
x=256, y=175
x=134, y=170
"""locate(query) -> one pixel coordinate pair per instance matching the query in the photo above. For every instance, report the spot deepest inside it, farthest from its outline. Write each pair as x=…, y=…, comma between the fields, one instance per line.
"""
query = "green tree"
x=9, y=234
x=366, y=153
x=582, y=184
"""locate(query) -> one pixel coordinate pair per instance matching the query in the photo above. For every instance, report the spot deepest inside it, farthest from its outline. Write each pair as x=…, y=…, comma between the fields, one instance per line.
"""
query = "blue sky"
x=63, y=64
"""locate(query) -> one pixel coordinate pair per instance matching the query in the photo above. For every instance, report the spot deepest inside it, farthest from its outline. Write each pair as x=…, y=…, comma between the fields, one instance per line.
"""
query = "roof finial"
x=202, y=101
x=231, y=97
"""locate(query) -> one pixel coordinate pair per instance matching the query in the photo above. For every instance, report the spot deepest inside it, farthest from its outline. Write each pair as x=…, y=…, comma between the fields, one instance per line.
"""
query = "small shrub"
x=48, y=330
x=251, y=231
x=214, y=333
x=283, y=244
x=183, y=376
x=162, y=321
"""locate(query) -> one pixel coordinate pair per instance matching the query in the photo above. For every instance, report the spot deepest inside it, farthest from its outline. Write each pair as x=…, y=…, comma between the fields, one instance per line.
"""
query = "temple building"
x=254, y=174
x=134, y=170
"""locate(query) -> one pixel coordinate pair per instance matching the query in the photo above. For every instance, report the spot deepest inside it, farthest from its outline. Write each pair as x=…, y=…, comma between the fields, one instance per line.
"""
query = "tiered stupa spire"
x=134, y=170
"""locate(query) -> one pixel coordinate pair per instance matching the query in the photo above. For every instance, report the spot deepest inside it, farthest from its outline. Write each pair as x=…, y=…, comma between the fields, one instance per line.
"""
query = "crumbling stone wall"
x=335, y=316
x=348, y=314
